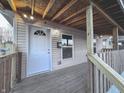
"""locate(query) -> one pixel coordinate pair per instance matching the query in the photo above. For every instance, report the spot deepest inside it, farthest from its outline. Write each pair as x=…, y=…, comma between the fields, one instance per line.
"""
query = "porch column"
x=115, y=38
x=89, y=23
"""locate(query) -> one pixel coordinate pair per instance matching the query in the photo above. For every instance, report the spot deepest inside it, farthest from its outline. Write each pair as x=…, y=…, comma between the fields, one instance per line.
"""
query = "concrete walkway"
x=69, y=80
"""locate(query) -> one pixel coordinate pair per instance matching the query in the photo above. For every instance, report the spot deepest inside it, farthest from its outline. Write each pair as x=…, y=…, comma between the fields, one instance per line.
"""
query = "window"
x=67, y=46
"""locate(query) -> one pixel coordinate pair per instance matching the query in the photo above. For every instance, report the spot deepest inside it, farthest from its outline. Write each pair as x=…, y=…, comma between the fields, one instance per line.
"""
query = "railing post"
x=89, y=23
x=115, y=38
x=18, y=66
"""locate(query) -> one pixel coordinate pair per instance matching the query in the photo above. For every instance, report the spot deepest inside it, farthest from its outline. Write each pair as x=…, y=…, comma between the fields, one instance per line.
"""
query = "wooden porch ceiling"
x=72, y=13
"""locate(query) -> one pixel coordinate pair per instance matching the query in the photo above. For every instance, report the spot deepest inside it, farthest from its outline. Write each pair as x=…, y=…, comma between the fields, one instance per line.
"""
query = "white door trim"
x=51, y=63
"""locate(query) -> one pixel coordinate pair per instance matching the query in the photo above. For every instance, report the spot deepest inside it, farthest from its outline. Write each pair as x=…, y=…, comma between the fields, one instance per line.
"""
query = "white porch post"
x=115, y=38
x=89, y=20
x=89, y=23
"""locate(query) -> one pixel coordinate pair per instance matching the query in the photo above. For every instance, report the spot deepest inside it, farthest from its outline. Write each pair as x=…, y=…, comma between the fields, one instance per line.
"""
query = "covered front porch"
x=48, y=46
x=69, y=80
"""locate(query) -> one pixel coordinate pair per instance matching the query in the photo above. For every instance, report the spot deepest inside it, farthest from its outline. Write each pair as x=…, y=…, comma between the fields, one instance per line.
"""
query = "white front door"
x=39, y=48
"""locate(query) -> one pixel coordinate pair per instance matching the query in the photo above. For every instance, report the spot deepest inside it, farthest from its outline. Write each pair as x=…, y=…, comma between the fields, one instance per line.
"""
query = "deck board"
x=69, y=80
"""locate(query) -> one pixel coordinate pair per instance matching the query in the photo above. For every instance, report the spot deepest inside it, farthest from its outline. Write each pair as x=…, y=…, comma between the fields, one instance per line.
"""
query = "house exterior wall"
x=79, y=38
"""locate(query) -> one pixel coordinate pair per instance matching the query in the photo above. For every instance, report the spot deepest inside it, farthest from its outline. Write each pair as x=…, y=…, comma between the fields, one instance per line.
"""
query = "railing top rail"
x=110, y=73
x=9, y=54
x=104, y=51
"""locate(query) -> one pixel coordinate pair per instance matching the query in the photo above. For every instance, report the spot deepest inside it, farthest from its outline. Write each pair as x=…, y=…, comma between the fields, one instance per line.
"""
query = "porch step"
x=113, y=88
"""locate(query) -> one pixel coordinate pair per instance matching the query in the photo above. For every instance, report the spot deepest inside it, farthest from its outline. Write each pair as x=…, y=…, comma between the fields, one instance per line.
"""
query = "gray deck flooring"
x=69, y=80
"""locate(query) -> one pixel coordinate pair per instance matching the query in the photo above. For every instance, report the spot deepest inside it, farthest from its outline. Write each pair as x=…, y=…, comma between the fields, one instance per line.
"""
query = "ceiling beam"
x=12, y=4
x=81, y=18
x=76, y=20
x=32, y=7
x=77, y=23
x=73, y=15
x=107, y=16
x=49, y=6
x=65, y=8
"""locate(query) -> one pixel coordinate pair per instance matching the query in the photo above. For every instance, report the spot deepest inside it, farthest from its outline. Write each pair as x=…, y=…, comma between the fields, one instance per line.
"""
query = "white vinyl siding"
x=79, y=44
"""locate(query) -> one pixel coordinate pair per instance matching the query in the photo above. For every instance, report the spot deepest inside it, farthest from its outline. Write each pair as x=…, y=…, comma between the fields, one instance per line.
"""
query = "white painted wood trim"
x=51, y=58
x=27, y=49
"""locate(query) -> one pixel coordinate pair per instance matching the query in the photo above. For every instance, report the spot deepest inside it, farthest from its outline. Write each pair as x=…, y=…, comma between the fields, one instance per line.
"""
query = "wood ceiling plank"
x=81, y=26
x=112, y=6
x=119, y=11
x=102, y=25
x=40, y=5
x=49, y=6
x=73, y=15
x=76, y=20
x=32, y=7
x=81, y=18
x=78, y=23
x=65, y=8
x=98, y=24
x=12, y=4
x=107, y=17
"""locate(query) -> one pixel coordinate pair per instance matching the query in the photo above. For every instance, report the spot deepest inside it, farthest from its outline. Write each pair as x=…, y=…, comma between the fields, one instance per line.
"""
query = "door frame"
x=28, y=47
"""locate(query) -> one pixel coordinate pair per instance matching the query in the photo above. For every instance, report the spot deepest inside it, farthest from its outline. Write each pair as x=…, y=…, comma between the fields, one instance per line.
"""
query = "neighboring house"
x=103, y=42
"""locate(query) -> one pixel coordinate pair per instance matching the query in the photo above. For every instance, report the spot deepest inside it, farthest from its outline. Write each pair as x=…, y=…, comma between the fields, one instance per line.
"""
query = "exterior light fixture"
x=25, y=16
x=31, y=17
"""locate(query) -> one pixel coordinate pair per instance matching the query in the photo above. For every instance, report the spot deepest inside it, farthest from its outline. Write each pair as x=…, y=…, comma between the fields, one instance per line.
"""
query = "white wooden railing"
x=114, y=58
x=103, y=73
x=106, y=69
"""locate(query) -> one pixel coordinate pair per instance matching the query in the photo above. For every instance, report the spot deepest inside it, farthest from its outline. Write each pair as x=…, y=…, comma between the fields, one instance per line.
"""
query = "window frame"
x=67, y=47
